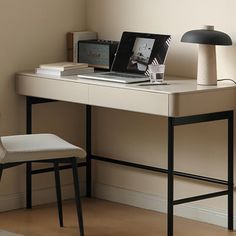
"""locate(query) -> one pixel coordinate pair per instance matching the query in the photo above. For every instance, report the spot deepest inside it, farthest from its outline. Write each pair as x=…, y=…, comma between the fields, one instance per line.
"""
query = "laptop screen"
x=137, y=50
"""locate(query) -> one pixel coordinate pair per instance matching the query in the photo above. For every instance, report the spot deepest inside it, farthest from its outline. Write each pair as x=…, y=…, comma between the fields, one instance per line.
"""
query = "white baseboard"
x=39, y=197
x=124, y=196
x=157, y=203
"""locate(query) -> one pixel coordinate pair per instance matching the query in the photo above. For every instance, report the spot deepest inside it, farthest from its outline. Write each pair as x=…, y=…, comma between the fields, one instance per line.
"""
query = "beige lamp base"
x=206, y=74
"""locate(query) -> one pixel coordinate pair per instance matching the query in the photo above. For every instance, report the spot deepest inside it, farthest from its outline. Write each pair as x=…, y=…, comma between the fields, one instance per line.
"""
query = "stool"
x=48, y=148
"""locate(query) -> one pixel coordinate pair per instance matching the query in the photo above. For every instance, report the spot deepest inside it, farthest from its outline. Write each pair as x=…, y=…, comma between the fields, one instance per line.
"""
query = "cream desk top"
x=181, y=97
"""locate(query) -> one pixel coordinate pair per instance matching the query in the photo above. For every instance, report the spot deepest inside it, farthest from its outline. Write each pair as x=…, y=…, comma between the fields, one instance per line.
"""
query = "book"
x=76, y=71
x=63, y=66
x=72, y=39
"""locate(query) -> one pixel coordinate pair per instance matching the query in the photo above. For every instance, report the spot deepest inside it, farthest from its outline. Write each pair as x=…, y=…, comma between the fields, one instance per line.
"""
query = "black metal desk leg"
x=170, y=211
x=28, y=165
x=88, y=149
x=230, y=172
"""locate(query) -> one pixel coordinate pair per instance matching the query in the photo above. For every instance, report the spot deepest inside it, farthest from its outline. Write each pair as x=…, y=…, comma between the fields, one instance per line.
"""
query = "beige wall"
x=111, y=17
x=33, y=32
x=200, y=148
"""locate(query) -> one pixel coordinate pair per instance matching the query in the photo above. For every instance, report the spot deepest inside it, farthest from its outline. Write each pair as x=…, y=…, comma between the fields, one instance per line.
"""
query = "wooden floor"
x=101, y=218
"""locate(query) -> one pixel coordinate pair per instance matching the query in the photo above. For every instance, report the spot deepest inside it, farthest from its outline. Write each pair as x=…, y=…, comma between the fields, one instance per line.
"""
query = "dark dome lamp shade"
x=207, y=38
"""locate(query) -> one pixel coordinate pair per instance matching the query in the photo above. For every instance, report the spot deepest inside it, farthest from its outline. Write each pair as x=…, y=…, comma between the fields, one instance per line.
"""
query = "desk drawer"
x=52, y=88
x=202, y=102
x=127, y=99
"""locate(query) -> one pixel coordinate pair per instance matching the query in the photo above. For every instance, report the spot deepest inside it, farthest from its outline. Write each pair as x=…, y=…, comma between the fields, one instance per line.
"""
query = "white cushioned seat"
x=34, y=147
x=19, y=149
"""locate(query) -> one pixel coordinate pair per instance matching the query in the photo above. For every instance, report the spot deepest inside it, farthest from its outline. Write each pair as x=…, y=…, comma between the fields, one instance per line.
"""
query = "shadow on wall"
x=226, y=62
x=182, y=61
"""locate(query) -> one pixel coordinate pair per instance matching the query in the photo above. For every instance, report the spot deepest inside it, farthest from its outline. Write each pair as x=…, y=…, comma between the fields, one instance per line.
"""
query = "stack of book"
x=64, y=69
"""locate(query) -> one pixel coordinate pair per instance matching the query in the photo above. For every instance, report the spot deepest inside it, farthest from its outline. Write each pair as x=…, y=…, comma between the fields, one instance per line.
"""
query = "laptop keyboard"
x=124, y=75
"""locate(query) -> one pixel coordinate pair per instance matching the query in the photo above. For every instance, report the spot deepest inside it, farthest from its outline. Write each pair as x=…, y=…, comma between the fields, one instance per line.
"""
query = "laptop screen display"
x=141, y=53
x=137, y=50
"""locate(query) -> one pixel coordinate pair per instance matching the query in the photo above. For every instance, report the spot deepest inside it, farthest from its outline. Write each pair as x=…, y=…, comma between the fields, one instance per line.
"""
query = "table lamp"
x=207, y=38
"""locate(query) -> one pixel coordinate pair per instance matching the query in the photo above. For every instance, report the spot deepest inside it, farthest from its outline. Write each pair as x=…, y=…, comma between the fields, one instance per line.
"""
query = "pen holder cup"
x=156, y=73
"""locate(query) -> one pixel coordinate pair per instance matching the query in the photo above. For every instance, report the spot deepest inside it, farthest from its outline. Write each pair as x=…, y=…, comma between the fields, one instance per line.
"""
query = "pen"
x=151, y=84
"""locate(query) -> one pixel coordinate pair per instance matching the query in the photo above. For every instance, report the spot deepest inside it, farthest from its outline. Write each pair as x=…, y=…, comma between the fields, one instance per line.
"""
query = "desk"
x=182, y=102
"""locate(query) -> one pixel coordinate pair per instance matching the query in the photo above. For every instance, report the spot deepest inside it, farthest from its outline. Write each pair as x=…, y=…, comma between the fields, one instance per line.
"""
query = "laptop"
x=134, y=53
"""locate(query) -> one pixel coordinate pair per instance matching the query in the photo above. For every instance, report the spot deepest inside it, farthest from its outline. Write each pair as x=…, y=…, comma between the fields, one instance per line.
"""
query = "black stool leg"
x=28, y=185
x=28, y=164
x=77, y=196
x=58, y=191
x=1, y=170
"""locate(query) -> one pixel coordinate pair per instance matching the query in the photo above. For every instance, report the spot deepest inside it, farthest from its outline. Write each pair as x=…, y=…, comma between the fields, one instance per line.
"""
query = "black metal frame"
x=73, y=165
x=172, y=123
